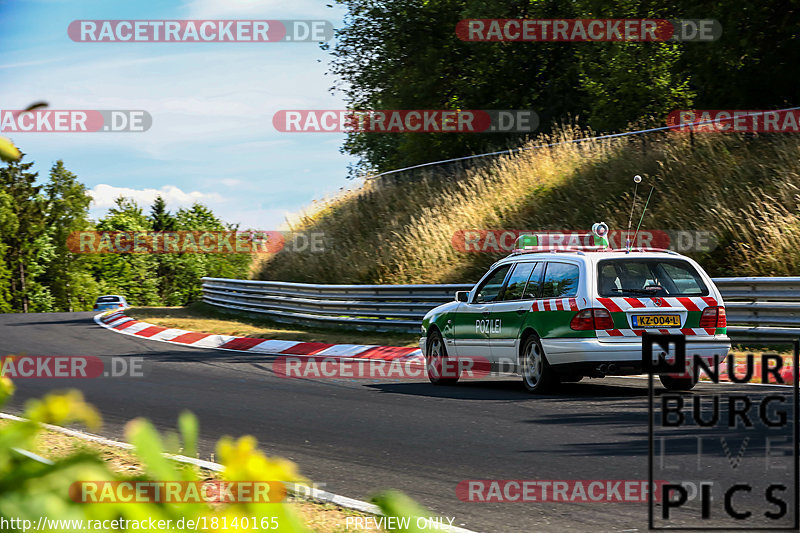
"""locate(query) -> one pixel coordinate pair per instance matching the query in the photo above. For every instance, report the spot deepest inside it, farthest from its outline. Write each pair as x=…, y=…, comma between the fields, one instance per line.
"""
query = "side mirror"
x=462, y=296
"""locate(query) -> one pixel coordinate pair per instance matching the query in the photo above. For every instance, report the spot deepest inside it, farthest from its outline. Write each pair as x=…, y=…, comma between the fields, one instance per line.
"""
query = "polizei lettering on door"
x=488, y=326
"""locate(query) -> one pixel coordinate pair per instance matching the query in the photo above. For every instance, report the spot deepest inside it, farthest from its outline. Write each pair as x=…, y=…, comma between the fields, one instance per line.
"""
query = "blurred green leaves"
x=30, y=489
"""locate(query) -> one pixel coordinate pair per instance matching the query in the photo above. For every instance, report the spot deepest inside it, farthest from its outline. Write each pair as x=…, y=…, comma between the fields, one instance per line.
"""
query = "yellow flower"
x=63, y=408
x=245, y=462
x=6, y=389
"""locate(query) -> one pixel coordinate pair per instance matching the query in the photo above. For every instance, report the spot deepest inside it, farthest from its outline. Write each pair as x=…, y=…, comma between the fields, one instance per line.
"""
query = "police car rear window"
x=648, y=277
x=560, y=280
x=107, y=299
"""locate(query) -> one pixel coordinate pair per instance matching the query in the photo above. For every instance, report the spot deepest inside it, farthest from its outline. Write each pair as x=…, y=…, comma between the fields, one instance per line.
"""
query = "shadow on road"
x=512, y=389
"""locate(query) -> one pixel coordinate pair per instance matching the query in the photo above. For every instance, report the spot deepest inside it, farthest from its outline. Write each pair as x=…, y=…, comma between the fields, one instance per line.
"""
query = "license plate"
x=656, y=321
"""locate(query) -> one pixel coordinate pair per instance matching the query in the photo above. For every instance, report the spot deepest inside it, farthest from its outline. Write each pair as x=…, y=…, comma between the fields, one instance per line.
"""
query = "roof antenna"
x=637, y=179
x=652, y=188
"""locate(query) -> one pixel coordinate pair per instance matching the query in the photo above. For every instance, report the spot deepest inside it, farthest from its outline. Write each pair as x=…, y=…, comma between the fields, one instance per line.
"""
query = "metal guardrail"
x=378, y=307
x=763, y=307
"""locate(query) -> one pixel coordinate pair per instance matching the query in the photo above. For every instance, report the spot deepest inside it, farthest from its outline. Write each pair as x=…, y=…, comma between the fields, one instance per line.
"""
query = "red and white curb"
x=301, y=491
x=121, y=323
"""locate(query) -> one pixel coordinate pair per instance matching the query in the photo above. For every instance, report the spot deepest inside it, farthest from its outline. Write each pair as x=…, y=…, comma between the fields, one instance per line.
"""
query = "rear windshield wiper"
x=650, y=291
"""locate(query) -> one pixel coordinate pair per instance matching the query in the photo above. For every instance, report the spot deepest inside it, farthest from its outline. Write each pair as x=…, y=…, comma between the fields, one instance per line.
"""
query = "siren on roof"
x=600, y=232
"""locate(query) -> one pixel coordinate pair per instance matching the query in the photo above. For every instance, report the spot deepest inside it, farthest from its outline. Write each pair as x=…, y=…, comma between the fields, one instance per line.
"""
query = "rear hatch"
x=657, y=295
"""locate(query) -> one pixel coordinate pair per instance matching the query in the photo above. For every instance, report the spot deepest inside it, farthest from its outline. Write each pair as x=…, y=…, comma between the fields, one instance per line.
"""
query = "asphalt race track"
x=358, y=437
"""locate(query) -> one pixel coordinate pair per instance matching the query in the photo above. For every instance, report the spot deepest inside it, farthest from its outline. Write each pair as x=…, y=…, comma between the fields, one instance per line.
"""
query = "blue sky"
x=212, y=138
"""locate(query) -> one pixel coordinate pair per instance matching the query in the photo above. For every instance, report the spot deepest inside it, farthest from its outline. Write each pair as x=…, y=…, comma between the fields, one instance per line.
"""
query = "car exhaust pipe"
x=603, y=369
x=612, y=368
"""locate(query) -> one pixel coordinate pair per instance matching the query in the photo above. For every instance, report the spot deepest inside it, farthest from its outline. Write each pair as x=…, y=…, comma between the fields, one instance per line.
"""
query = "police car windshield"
x=648, y=277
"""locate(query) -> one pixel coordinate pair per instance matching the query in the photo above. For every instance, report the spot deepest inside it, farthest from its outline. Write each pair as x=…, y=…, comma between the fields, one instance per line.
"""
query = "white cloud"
x=104, y=195
x=230, y=182
x=197, y=114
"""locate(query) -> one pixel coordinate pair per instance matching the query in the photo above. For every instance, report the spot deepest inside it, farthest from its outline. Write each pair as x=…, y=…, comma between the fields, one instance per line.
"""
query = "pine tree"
x=67, y=211
x=28, y=210
x=160, y=218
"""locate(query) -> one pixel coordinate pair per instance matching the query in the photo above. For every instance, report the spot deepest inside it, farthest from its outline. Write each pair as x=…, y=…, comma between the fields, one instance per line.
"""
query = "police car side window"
x=517, y=280
x=560, y=280
x=534, y=283
x=490, y=289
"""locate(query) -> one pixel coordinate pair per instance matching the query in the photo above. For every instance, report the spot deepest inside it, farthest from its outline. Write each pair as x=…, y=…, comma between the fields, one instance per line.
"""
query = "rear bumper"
x=579, y=351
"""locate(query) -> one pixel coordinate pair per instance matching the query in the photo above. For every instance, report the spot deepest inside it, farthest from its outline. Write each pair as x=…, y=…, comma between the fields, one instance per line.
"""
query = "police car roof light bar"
x=547, y=250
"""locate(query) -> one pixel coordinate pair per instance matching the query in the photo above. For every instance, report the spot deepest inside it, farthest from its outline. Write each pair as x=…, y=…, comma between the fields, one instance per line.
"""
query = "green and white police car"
x=559, y=315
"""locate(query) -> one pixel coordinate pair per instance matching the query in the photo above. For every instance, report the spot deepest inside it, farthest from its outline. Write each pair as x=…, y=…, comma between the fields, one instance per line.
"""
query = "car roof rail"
x=661, y=250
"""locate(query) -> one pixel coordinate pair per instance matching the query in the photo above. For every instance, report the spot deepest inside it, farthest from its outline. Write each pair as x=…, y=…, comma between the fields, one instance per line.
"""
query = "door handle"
x=521, y=311
x=486, y=313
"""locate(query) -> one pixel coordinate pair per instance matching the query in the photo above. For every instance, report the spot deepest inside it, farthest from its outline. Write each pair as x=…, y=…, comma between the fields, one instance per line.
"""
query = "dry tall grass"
x=745, y=189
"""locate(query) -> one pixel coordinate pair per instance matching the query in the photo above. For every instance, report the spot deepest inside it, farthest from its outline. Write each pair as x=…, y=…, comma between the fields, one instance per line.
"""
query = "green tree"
x=27, y=216
x=189, y=268
x=8, y=225
x=404, y=54
x=129, y=274
x=160, y=218
x=67, y=211
x=398, y=54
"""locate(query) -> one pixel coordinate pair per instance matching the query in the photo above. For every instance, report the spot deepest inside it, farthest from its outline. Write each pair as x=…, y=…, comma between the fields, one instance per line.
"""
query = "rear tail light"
x=121, y=305
x=713, y=317
x=602, y=319
x=95, y=306
x=591, y=319
x=582, y=321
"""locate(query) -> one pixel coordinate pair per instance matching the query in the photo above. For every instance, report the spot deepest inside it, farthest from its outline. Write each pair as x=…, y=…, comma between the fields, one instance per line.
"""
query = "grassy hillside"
x=743, y=188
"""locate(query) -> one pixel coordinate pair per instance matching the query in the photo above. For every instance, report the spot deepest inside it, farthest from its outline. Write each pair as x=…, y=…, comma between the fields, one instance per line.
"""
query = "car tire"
x=537, y=376
x=435, y=355
x=677, y=384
